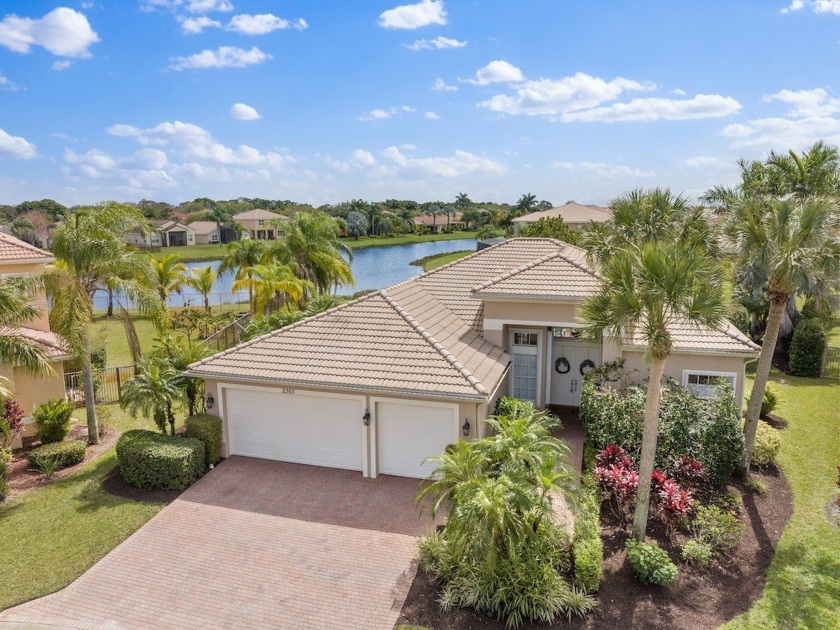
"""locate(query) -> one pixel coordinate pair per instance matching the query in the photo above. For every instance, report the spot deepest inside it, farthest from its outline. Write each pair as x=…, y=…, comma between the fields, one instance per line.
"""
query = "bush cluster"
x=208, y=429
x=696, y=551
x=55, y=455
x=650, y=563
x=588, y=548
x=152, y=460
x=706, y=430
x=807, y=349
x=52, y=420
x=717, y=528
x=768, y=441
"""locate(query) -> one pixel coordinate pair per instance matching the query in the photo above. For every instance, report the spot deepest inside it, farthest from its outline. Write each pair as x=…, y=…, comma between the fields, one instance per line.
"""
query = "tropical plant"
x=202, y=280
x=650, y=563
x=11, y=422
x=768, y=441
x=181, y=355
x=550, y=227
x=448, y=212
x=462, y=201
x=357, y=224
x=90, y=248
x=526, y=203
x=168, y=275
x=485, y=231
x=220, y=216
x=647, y=287
x=789, y=244
x=433, y=210
x=406, y=215
x=52, y=420
x=273, y=283
x=241, y=257
x=719, y=529
x=153, y=391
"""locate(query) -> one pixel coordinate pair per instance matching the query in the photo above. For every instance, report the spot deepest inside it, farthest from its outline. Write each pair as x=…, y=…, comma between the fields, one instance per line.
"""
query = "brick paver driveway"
x=255, y=544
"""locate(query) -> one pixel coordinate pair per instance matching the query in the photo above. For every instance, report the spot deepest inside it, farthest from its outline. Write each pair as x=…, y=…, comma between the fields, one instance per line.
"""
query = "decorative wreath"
x=586, y=366
x=562, y=366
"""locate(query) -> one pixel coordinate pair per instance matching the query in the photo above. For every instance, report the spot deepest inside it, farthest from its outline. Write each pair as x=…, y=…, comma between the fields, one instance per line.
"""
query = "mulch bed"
x=700, y=597
x=22, y=478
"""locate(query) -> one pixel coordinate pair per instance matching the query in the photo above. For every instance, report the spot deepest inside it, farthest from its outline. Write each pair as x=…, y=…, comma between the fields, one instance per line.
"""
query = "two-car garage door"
x=327, y=430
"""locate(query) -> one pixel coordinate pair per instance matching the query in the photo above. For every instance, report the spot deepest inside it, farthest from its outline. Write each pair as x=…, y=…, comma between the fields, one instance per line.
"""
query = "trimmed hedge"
x=58, y=454
x=588, y=548
x=208, y=429
x=52, y=420
x=152, y=460
x=807, y=349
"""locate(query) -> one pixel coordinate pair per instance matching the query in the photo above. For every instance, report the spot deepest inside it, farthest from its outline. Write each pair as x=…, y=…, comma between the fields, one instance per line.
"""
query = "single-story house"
x=382, y=382
x=165, y=233
x=18, y=258
x=575, y=215
x=260, y=224
x=205, y=232
x=456, y=222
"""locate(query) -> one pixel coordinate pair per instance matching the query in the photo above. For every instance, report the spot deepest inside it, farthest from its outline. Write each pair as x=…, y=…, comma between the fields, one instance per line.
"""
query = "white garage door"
x=300, y=427
x=406, y=434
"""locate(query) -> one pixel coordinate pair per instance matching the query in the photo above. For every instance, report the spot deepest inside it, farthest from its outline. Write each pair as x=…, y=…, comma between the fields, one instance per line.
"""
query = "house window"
x=525, y=338
x=261, y=223
x=560, y=332
x=707, y=384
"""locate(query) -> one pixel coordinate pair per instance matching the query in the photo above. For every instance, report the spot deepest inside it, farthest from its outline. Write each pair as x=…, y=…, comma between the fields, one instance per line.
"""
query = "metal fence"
x=831, y=363
x=107, y=384
x=228, y=336
x=176, y=300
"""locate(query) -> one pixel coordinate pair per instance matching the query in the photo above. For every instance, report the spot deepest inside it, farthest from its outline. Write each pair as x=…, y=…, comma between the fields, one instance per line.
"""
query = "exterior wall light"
x=466, y=427
x=210, y=401
x=366, y=417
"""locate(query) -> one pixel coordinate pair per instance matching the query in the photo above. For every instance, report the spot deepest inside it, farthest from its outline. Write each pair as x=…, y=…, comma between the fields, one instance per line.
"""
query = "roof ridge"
x=476, y=384
x=727, y=330
x=512, y=272
x=585, y=268
x=14, y=240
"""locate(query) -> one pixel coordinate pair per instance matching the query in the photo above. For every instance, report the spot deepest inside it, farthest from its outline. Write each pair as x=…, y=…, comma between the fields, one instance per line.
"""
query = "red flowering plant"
x=618, y=479
x=675, y=504
x=689, y=472
x=11, y=422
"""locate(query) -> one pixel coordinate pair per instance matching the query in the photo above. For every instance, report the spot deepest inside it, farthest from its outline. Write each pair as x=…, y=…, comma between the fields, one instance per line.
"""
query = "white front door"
x=524, y=373
x=407, y=434
x=566, y=387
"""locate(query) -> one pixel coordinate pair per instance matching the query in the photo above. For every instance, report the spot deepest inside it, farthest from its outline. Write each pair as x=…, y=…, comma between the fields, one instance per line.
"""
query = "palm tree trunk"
x=90, y=395
x=762, y=373
x=171, y=417
x=110, y=312
x=650, y=433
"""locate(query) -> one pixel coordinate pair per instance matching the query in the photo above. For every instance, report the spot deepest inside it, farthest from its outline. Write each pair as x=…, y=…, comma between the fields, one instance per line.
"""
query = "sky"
x=324, y=101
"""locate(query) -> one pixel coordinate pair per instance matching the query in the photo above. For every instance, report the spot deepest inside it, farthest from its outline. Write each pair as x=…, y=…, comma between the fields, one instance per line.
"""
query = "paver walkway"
x=255, y=544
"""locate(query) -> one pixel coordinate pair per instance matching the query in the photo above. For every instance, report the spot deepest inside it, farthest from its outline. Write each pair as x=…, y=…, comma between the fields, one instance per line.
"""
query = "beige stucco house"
x=438, y=223
x=206, y=232
x=261, y=225
x=575, y=215
x=21, y=259
x=166, y=233
x=383, y=382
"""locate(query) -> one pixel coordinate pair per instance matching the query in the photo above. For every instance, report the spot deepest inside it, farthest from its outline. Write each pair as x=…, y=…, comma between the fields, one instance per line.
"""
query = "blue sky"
x=325, y=101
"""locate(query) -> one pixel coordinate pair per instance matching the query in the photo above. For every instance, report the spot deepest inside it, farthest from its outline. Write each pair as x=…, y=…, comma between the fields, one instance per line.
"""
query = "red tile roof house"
x=439, y=222
x=381, y=383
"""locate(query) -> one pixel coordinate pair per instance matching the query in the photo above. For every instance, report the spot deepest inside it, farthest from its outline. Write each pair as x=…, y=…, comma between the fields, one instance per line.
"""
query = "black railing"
x=831, y=363
x=228, y=336
x=107, y=384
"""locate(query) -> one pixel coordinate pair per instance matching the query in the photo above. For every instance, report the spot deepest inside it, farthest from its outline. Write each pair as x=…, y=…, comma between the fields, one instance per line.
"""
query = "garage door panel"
x=299, y=428
x=407, y=434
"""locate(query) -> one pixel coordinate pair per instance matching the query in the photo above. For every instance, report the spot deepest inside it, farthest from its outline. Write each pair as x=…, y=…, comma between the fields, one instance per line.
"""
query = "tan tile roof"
x=689, y=338
x=571, y=212
x=203, y=227
x=256, y=214
x=13, y=249
x=51, y=343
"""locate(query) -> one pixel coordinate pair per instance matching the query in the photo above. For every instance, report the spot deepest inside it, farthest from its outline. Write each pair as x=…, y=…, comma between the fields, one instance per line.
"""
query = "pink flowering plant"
x=618, y=479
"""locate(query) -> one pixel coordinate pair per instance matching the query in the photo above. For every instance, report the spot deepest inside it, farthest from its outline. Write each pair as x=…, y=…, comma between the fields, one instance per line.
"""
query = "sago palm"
x=241, y=257
x=273, y=282
x=794, y=246
x=644, y=291
x=202, y=279
x=168, y=275
x=153, y=390
x=90, y=250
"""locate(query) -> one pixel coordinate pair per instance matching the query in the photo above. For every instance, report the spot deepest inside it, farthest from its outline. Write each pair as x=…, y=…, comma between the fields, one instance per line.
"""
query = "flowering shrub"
x=617, y=478
x=688, y=471
x=11, y=421
x=675, y=504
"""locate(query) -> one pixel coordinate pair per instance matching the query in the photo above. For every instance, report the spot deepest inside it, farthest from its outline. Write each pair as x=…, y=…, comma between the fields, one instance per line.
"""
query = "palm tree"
x=406, y=215
x=272, y=282
x=313, y=249
x=463, y=201
x=169, y=275
x=90, y=249
x=449, y=212
x=202, y=280
x=242, y=256
x=220, y=216
x=433, y=211
x=645, y=290
x=526, y=203
x=181, y=354
x=153, y=391
x=793, y=246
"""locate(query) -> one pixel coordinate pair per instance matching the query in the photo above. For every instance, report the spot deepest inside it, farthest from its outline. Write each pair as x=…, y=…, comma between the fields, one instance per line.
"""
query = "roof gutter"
x=710, y=353
x=28, y=261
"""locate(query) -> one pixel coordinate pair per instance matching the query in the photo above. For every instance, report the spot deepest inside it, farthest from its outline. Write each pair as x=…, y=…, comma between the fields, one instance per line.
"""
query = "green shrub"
x=696, y=552
x=708, y=430
x=768, y=441
x=153, y=460
x=769, y=401
x=52, y=420
x=807, y=349
x=5, y=460
x=719, y=529
x=588, y=548
x=208, y=429
x=56, y=455
x=650, y=563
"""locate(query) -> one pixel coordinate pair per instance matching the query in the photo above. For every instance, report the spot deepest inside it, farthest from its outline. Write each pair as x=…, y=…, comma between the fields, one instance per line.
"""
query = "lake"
x=373, y=268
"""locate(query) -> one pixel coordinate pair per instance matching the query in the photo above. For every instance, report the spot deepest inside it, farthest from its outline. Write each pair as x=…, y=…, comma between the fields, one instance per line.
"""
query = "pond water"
x=373, y=268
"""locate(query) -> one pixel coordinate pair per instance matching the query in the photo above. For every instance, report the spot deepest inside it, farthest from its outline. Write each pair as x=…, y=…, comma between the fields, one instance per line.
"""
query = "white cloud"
x=16, y=147
x=705, y=161
x=63, y=32
x=438, y=43
x=440, y=86
x=795, y=5
x=263, y=24
x=223, y=57
x=601, y=169
x=364, y=158
x=678, y=92
x=61, y=64
x=548, y=97
x=783, y=133
x=8, y=84
x=431, y=116
x=382, y=114
x=411, y=16
x=241, y=111
x=206, y=6
x=195, y=25
x=805, y=103
x=650, y=109
x=818, y=6
x=457, y=165
x=359, y=159
x=496, y=72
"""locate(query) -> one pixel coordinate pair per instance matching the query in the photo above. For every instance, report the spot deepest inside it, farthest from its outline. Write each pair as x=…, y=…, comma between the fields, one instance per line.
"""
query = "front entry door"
x=566, y=387
x=524, y=348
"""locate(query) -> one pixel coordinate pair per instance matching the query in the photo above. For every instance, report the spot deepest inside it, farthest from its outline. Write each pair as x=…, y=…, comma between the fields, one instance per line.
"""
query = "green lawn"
x=439, y=260
x=55, y=533
x=191, y=253
x=803, y=588
x=833, y=337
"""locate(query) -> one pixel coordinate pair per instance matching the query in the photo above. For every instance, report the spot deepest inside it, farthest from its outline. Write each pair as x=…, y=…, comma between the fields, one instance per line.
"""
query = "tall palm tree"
x=526, y=203
x=153, y=391
x=449, y=212
x=273, y=282
x=433, y=211
x=241, y=257
x=313, y=249
x=169, y=275
x=646, y=289
x=463, y=201
x=90, y=249
x=793, y=246
x=220, y=216
x=202, y=280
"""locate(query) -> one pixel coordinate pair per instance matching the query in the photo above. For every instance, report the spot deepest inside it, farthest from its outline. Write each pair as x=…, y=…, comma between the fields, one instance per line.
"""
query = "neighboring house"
x=575, y=215
x=175, y=234
x=260, y=224
x=456, y=222
x=21, y=259
x=206, y=232
x=382, y=382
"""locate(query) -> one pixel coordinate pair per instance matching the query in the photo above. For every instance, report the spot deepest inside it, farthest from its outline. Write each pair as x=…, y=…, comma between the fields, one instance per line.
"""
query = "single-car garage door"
x=407, y=433
x=299, y=427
